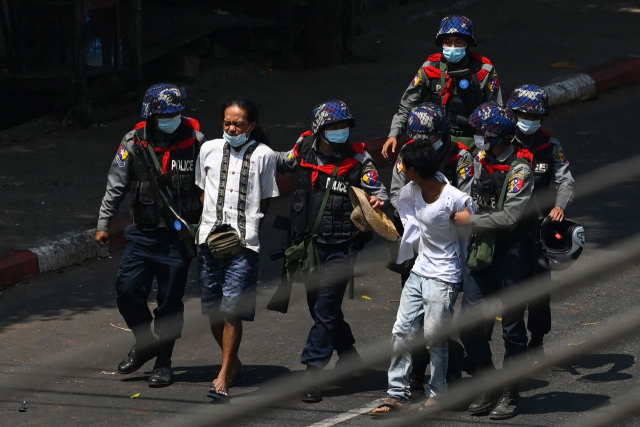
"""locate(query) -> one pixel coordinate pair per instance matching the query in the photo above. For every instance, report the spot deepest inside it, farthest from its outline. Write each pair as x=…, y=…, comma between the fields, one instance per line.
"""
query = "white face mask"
x=479, y=140
x=528, y=127
x=437, y=144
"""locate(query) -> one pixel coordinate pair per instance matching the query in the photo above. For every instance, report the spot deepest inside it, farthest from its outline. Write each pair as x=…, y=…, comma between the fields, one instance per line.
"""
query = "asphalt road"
x=61, y=335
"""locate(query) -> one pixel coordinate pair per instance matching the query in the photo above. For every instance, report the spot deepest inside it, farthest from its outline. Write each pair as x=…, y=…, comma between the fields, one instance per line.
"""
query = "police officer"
x=456, y=79
x=153, y=246
x=511, y=264
x=550, y=165
x=313, y=160
x=429, y=122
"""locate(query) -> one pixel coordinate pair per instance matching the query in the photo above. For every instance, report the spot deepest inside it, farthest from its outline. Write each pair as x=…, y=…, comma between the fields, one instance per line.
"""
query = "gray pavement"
x=60, y=340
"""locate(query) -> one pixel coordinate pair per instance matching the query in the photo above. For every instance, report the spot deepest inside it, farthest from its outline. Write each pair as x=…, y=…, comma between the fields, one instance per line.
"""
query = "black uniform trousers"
x=324, y=297
x=512, y=264
x=150, y=253
x=539, y=319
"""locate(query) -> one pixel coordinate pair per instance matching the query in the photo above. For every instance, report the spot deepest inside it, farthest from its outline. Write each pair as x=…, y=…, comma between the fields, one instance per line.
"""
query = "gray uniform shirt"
x=121, y=174
x=516, y=204
x=366, y=173
x=419, y=90
x=561, y=174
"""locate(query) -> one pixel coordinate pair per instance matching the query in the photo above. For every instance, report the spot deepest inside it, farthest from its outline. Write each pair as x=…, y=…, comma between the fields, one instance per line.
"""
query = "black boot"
x=140, y=353
x=483, y=403
x=507, y=406
x=535, y=348
x=162, y=375
x=311, y=394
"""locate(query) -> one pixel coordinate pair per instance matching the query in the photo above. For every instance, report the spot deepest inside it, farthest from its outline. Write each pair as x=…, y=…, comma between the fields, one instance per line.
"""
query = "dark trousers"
x=511, y=265
x=324, y=296
x=539, y=320
x=152, y=253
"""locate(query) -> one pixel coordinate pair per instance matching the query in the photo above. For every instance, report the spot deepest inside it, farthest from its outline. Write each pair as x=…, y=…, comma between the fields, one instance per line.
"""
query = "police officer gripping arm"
x=550, y=165
x=153, y=244
x=502, y=189
x=456, y=79
x=314, y=160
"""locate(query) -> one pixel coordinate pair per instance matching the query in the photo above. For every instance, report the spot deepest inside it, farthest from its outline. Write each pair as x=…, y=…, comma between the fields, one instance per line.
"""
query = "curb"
x=583, y=86
x=78, y=246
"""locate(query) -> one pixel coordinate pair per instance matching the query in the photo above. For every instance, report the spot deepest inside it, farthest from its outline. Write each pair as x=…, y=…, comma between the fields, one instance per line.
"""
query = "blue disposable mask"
x=169, y=125
x=454, y=54
x=528, y=127
x=338, y=136
x=235, y=141
x=437, y=144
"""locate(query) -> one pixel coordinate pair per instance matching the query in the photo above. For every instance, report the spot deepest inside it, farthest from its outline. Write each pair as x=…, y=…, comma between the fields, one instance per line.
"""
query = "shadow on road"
x=560, y=401
x=619, y=362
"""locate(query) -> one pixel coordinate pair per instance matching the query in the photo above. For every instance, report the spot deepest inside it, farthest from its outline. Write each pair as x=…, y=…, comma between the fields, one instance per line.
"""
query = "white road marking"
x=349, y=414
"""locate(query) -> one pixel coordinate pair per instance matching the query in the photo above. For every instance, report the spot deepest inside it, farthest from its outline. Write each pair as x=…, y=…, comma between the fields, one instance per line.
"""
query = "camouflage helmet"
x=163, y=98
x=456, y=24
x=329, y=112
x=529, y=99
x=496, y=123
x=427, y=120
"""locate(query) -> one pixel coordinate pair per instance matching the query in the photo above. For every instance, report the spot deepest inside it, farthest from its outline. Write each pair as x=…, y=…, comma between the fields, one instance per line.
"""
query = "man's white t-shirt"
x=261, y=184
x=439, y=251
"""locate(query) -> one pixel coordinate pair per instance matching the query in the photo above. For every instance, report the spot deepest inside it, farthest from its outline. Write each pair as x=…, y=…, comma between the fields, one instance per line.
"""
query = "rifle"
x=280, y=300
x=146, y=161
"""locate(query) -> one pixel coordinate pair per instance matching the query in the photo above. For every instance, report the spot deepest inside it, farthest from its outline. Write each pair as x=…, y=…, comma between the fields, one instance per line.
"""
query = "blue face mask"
x=454, y=54
x=438, y=144
x=338, y=136
x=528, y=127
x=235, y=141
x=169, y=125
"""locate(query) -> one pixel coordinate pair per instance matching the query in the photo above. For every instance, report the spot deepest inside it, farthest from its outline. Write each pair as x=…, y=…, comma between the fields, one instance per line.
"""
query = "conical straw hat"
x=367, y=218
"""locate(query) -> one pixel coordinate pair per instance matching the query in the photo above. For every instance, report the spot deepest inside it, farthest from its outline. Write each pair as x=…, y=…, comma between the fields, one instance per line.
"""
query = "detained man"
x=237, y=173
x=426, y=206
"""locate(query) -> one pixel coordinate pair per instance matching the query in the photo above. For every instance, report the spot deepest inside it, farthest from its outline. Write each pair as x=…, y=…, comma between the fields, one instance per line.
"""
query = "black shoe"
x=483, y=403
x=312, y=393
x=416, y=385
x=507, y=406
x=136, y=358
x=162, y=375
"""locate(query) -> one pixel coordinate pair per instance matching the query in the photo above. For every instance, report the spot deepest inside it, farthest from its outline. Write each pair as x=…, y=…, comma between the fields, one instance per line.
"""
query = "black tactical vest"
x=465, y=97
x=487, y=189
x=335, y=226
x=185, y=193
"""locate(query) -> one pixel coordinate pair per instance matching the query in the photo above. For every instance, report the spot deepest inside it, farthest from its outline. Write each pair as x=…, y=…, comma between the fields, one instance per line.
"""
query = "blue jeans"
x=433, y=299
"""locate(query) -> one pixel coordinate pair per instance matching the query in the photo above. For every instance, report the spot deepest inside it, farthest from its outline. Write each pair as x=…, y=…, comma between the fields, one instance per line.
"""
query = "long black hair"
x=259, y=134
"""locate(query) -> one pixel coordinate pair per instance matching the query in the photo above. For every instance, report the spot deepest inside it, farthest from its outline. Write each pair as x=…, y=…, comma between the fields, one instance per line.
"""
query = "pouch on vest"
x=483, y=245
x=302, y=260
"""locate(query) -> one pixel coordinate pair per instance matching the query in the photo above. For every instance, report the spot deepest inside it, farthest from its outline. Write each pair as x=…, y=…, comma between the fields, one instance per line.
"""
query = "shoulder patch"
x=465, y=170
x=416, y=79
x=122, y=155
x=290, y=154
x=560, y=156
x=399, y=165
x=480, y=155
x=370, y=176
x=516, y=182
x=494, y=83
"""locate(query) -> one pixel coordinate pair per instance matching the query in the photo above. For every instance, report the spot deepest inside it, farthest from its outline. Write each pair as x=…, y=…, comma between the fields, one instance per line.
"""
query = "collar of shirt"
x=504, y=156
x=325, y=158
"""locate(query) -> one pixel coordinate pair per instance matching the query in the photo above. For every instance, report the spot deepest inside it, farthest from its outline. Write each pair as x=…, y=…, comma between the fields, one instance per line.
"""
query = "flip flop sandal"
x=393, y=410
x=238, y=379
x=217, y=395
